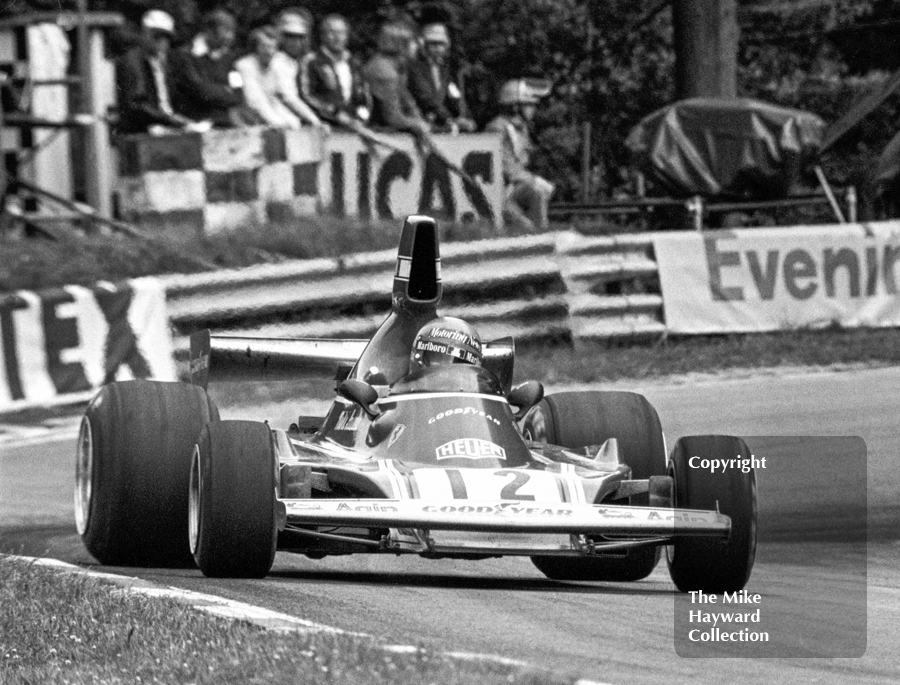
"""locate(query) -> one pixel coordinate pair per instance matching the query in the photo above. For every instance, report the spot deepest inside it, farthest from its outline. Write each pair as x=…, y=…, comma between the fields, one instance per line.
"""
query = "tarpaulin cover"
x=888, y=166
x=726, y=147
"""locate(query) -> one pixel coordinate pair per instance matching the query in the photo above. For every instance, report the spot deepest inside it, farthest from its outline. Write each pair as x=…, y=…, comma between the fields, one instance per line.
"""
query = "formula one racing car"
x=428, y=448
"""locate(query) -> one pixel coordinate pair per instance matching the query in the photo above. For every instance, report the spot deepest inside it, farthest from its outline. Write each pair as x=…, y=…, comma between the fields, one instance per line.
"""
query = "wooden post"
x=586, y=161
x=98, y=151
x=706, y=41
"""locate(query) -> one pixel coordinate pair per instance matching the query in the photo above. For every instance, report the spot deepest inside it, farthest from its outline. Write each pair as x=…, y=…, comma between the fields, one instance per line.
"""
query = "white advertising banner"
x=767, y=279
x=72, y=340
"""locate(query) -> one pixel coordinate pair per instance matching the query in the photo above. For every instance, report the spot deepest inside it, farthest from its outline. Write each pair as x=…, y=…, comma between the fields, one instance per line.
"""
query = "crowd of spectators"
x=286, y=79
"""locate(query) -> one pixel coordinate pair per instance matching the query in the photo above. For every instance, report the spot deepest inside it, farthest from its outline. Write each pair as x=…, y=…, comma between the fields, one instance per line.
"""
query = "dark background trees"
x=613, y=61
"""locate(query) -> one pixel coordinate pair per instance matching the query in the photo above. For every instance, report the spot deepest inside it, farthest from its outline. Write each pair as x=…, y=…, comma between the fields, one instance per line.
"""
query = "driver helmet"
x=524, y=91
x=445, y=340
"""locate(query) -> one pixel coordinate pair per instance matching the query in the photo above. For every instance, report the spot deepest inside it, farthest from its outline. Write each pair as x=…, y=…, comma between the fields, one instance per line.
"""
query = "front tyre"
x=577, y=419
x=231, y=522
x=133, y=460
x=709, y=564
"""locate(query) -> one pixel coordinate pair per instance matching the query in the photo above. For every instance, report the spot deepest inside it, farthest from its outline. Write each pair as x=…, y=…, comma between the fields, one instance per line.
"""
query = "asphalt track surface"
x=810, y=568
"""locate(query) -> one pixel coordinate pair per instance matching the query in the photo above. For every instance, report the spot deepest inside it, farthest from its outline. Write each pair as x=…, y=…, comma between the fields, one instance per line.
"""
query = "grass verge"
x=60, y=628
x=599, y=362
x=75, y=258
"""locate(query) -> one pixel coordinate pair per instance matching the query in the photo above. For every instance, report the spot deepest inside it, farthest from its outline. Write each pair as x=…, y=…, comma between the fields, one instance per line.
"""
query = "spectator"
x=144, y=80
x=294, y=27
x=207, y=86
x=270, y=87
x=432, y=86
x=527, y=194
x=386, y=74
x=330, y=78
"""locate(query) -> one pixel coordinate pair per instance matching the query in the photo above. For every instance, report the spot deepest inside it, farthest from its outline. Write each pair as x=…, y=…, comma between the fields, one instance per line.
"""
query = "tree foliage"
x=611, y=63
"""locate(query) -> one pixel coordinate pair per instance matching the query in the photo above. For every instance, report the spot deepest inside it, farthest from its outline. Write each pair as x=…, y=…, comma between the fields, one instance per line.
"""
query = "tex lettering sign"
x=372, y=181
x=780, y=278
x=75, y=339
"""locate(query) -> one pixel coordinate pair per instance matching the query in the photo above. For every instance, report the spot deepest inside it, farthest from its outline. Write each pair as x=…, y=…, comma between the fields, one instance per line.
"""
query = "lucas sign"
x=777, y=279
x=372, y=181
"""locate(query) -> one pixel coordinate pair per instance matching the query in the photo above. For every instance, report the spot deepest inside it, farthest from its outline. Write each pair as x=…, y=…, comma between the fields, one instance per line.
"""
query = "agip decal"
x=470, y=448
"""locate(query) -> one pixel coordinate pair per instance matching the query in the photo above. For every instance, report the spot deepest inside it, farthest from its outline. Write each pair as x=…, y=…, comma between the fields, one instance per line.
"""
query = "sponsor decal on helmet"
x=470, y=448
x=463, y=411
x=456, y=336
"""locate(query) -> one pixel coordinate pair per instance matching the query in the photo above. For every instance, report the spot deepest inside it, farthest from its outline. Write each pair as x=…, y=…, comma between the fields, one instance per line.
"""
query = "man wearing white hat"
x=144, y=81
x=527, y=194
x=431, y=83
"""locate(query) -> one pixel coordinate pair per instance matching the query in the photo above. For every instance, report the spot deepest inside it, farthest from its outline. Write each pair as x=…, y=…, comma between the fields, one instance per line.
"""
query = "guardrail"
x=697, y=209
x=551, y=286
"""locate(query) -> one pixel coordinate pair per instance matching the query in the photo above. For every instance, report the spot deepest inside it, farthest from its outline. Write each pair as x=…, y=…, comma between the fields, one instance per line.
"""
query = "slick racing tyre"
x=232, y=526
x=577, y=419
x=133, y=462
x=708, y=564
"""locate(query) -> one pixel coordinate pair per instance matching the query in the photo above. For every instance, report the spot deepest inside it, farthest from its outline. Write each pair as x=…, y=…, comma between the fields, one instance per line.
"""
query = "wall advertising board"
x=74, y=339
x=374, y=182
x=750, y=280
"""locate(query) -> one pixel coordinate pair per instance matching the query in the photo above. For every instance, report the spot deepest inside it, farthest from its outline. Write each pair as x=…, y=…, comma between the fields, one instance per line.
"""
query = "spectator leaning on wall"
x=330, y=78
x=294, y=26
x=144, y=81
x=270, y=83
x=432, y=85
x=207, y=86
x=527, y=194
x=393, y=107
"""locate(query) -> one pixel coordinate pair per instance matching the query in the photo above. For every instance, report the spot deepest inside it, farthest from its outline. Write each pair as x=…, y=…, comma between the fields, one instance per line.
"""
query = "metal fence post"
x=694, y=207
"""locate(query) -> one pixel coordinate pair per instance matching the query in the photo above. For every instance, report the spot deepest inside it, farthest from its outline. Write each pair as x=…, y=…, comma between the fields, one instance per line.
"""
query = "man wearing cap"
x=527, y=194
x=144, y=79
x=294, y=26
x=432, y=85
x=330, y=78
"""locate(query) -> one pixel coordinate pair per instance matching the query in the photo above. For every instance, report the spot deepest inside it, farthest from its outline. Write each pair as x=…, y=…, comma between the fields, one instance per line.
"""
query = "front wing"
x=506, y=516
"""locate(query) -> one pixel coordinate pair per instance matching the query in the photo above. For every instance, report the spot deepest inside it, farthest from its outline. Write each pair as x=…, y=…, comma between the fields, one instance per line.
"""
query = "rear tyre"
x=576, y=419
x=133, y=462
x=232, y=526
x=707, y=564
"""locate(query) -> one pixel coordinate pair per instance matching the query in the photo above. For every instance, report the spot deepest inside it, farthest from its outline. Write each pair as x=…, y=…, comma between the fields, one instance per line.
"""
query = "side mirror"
x=525, y=396
x=361, y=393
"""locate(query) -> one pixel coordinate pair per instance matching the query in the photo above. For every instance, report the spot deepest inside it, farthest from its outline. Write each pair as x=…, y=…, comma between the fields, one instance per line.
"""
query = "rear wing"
x=224, y=358
x=227, y=358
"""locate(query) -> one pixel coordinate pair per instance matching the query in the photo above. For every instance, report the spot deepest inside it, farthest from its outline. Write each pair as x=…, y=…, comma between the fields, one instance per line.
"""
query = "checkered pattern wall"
x=237, y=177
x=218, y=180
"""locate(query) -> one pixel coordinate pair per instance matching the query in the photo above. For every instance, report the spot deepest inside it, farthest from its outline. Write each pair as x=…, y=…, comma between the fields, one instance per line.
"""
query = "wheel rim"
x=194, y=501
x=84, y=475
x=535, y=429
